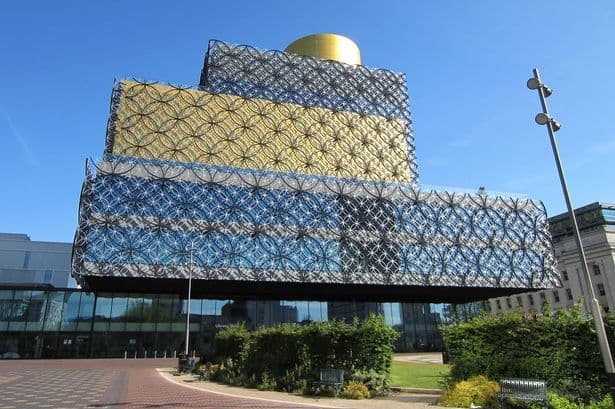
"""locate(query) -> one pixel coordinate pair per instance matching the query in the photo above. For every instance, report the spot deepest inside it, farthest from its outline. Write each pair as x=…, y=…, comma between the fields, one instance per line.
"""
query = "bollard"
x=125, y=355
x=165, y=354
x=174, y=354
x=155, y=353
x=145, y=357
x=193, y=353
x=135, y=354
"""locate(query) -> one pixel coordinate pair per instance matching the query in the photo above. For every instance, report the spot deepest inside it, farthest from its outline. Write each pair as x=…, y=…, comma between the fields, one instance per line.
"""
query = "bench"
x=331, y=377
x=524, y=389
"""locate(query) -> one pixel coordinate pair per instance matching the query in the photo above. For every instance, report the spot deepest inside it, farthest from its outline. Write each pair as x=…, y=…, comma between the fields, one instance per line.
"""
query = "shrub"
x=605, y=403
x=278, y=351
x=267, y=383
x=560, y=402
x=374, y=344
x=288, y=357
x=204, y=371
x=377, y=383
x=292, y=380
x=355, y=390
x=329, y=344
x=477, y=390
x=322, y=390
x=560, y=348
x=217, y=373
x=231, y=341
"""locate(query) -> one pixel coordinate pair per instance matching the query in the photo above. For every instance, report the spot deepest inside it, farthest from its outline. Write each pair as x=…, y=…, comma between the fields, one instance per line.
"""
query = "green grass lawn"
x=417, y=375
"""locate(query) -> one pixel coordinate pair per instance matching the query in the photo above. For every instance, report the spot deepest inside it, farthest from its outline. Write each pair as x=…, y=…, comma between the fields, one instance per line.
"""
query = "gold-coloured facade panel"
x=187, y=125
x=327, y=47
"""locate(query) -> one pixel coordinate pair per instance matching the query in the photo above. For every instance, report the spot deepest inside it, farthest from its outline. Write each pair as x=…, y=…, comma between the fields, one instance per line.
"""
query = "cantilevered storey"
x=288, y=175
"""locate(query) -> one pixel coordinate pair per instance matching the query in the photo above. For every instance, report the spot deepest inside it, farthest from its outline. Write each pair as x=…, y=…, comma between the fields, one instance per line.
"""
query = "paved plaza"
x=106, y=383
x=114, y=383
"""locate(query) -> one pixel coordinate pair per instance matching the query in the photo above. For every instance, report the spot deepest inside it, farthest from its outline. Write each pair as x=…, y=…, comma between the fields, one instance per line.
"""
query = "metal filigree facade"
x=290, y=169
x=186, y=125
x=310, y=82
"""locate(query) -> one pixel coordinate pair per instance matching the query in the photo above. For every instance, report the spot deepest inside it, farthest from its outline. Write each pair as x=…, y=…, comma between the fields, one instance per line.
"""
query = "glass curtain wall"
x=76, y=324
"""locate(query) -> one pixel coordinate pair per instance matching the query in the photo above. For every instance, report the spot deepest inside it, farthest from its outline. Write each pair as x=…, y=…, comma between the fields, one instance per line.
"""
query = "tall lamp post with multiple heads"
x=544, y=118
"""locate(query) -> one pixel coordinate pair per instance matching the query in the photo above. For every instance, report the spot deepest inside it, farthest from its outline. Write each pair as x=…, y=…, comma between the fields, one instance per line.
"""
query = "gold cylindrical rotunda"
x=327, y=47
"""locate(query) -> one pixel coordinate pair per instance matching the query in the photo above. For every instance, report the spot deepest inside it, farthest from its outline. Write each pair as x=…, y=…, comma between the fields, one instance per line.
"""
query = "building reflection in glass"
x=72, y=324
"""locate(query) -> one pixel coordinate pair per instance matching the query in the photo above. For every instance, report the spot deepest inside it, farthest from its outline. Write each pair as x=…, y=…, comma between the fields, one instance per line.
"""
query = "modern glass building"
x=70, y=323
x=285, y=186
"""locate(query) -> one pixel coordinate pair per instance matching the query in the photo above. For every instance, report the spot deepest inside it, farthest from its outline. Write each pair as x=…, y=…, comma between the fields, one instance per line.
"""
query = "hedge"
x=561, y=348
x=288, y=356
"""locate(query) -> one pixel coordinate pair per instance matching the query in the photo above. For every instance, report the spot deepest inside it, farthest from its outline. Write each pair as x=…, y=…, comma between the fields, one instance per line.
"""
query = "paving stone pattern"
x=106, y=383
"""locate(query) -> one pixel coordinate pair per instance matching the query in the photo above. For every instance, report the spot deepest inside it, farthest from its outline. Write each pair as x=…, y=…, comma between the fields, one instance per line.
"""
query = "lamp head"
x=543, y=119
x=534, y=83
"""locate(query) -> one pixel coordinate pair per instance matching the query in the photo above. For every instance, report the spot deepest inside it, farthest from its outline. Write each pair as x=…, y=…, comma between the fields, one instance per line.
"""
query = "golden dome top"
x=327, y=47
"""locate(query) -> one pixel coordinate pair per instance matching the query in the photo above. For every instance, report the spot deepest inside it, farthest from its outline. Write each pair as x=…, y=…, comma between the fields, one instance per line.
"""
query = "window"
x=103, y=312
x=601, y=290
x=569, y=294
x=36, y=310
x=6, y=304
x=519, y=301
x=70, y=311
x=55, y=304
x=19, y=312
x=498, y=304
x=609, y=214
x=118, y=314
x=86, y=312
x=556, y=296
x=565, y=275
x=596, y=269
x=530, y=298
x=508, y=303
x=543, y=296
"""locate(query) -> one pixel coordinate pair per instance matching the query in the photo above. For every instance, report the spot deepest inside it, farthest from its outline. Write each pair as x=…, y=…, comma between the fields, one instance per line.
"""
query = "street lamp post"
x=552, y=126
x=189, y=294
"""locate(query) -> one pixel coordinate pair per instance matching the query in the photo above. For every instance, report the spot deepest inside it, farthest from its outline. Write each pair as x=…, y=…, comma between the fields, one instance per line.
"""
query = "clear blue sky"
x=466, y=62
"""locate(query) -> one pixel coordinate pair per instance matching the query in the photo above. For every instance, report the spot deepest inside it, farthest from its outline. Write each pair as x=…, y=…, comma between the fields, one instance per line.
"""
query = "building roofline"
x=24, y=238
x=583, y=209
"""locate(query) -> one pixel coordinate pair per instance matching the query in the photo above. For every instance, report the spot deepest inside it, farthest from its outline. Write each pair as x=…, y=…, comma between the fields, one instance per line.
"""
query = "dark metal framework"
x=142, y=220
x=187, y=125
x=161, y=203
x=306, y=81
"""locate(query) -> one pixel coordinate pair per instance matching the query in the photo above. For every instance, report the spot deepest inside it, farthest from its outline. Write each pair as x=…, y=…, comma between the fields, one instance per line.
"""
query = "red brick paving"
x=106, y=383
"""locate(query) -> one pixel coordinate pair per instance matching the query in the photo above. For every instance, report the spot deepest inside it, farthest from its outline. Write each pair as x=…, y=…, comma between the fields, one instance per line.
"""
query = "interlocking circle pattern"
x=184, y=125
x=283, y=168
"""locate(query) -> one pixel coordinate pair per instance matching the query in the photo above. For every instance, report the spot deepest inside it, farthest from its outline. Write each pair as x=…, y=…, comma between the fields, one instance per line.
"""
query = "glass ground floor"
x=50, y=323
